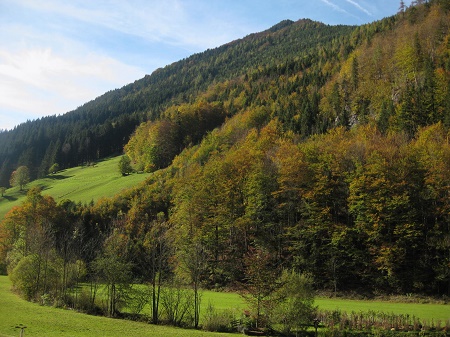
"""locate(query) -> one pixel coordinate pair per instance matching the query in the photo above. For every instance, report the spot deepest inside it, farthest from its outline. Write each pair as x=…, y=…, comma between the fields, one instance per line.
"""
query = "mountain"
x=318, y=148
x=103, y=126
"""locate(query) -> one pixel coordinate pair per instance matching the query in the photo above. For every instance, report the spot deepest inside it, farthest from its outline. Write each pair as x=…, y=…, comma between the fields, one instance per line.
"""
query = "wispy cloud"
x=54, y=84
x=361, y=8
x=173, y=22
x=340, y=9
x=57, y=55
x=334, y=6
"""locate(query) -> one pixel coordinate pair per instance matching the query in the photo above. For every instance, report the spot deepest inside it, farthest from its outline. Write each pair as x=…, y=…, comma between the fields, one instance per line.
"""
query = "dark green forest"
x=318, y=149
x=103, y=126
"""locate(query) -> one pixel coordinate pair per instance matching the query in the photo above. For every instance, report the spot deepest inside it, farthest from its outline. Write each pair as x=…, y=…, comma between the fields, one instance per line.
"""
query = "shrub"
x=24, y=278
x=295, y=301
x=219, y=321
x=177, y=305
x=380, y=323
x=137, y=299
x=84, y=302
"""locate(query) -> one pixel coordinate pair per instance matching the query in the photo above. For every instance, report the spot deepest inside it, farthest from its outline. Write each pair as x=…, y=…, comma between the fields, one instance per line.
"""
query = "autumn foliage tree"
x=20, y=177
x=30, y=235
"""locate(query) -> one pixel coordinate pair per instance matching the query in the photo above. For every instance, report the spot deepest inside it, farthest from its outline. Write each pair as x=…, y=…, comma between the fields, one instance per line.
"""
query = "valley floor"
x=51, y=322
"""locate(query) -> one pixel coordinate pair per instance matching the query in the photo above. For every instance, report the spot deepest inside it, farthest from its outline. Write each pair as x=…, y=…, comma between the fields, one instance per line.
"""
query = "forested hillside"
x=318, y=149
x=103, y=126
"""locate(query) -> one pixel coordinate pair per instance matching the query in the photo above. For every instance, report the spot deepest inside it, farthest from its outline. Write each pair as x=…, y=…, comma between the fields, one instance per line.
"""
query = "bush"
x=3, y=269
x=24, y=279
x=295, y=305
x=84, y=302
x=177, y=305
x=138, y=298
x=219, y=321
x=376, y=323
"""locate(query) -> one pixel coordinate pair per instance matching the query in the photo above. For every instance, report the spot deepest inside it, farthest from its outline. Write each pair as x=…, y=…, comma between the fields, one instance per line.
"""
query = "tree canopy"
x=20, y=177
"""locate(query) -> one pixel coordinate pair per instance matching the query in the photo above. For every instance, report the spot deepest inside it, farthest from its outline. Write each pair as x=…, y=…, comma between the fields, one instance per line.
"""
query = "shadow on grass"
x=10, y=198
x=58, y=177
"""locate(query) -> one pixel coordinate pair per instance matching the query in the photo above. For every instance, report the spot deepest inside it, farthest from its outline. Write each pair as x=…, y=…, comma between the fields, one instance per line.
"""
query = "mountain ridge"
x=119, y=111
x=102, y=127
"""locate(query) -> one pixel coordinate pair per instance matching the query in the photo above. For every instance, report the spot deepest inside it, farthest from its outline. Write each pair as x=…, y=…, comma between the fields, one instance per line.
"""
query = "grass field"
x=49, y=322
x=423, y=311
x=79, y=184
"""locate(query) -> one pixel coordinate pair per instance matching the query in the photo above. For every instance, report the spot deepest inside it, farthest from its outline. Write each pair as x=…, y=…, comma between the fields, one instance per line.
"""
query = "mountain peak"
x=281, y=25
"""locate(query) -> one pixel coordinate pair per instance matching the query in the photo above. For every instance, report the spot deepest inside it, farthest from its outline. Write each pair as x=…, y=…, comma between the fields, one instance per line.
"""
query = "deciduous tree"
x=294, y=306
x=125, y=167
x=260, y=284
x=113, y=268
x=20, y=177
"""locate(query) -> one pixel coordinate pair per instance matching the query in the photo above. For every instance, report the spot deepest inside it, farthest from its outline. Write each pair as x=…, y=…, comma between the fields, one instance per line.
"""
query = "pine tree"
x=402, y=7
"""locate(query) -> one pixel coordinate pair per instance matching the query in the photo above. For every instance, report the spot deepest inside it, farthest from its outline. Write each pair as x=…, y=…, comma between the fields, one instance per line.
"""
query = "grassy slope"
x=51, y=322
x=82, y=184
x=423, y=311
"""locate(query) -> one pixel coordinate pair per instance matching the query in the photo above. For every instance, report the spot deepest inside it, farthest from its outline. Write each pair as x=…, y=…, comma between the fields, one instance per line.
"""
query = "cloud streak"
x=173, y=22
x=335, y=7
x=357, y=5
x=340, y=9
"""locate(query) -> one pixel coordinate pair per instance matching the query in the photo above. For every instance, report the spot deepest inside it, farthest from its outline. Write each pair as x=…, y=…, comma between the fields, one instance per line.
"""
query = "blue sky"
x=56, y=55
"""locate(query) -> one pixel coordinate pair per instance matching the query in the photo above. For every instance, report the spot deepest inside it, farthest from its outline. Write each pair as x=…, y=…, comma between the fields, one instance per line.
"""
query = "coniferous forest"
x=307, y=147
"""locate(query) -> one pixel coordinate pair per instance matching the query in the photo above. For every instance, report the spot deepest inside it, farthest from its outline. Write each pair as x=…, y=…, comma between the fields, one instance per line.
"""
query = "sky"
x=56, y=55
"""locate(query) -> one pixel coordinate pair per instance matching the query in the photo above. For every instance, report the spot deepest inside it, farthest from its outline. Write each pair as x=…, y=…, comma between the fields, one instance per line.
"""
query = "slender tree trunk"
x=38, y=278
x=196, y=305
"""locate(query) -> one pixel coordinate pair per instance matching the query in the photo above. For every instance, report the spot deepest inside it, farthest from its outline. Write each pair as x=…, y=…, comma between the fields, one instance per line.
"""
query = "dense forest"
x=313, y=148
x=103, y=126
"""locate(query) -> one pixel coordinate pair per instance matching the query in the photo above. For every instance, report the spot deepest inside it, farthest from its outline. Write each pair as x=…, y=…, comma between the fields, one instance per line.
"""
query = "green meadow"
x=424, y=311
x=80, y=184
x=51, y=322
